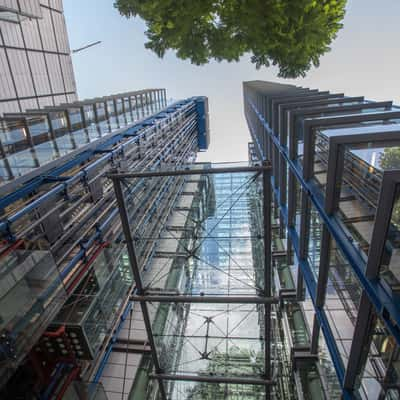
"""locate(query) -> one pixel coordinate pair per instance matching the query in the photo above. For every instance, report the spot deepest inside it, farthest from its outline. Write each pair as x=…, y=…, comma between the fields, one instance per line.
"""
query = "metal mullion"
x=138, y=280
x=106, y=112
x=142, y=104
x=159, y=98
x=303, y=238
x=137, y=107
x=323, y=274
x=148, y=106
x=153, y=100
x=334, y=176
x=308, y=151
x=361, y=342
x=335, y=171
x=130, y=107
x=117, y=115
x=52, y=134
x=266, y=181
x=96, y=114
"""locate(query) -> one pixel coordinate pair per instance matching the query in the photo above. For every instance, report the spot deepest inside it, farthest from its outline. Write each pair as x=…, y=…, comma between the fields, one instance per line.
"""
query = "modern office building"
x=335, y=173
x=129, y=271
x=35, y=62
x=65, y=276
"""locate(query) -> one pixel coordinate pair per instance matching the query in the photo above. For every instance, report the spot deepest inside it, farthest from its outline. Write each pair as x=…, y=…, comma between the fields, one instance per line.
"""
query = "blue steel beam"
x=84, y=157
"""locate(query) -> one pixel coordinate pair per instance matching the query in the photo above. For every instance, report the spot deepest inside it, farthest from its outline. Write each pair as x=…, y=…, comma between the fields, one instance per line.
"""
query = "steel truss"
x=146, y=297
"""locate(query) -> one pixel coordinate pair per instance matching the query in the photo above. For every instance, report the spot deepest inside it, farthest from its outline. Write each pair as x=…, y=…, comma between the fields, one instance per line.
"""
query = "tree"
x=292, y=34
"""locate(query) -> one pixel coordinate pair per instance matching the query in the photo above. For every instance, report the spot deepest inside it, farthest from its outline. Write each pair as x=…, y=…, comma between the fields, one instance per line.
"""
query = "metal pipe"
x=213, y=379
x=150, y=174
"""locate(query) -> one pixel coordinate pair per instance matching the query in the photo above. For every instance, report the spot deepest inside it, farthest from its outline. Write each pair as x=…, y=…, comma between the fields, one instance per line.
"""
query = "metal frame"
x=375, y=298
x=144, y=297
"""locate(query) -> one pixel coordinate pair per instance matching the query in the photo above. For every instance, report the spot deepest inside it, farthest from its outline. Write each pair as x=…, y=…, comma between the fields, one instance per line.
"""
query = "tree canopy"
x=291, y=34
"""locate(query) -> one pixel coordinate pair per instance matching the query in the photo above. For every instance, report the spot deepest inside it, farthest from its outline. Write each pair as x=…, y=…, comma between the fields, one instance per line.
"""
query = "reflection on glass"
x=314, y=240
x=390, y=262
x=342, y=300
x=211, y=244
x=91, y=311
x=31, y=291
x=380, y=371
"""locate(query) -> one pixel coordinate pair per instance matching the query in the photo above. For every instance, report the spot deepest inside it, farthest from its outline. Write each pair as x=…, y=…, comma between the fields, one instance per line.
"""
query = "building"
x=35, y=62
x=335, y=169
x=128, y=270
x=66, y=279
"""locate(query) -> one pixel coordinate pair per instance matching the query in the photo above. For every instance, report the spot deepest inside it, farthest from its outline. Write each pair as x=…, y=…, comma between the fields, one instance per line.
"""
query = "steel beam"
x=205, y=299
x=214, y=379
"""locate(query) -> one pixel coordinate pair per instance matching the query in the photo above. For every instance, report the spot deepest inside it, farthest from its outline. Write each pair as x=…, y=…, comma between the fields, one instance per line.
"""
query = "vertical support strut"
x=267, y=273
x=138, y=281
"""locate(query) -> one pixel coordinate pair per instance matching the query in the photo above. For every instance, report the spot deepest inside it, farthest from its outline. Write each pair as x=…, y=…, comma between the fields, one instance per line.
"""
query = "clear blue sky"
x=364, y=60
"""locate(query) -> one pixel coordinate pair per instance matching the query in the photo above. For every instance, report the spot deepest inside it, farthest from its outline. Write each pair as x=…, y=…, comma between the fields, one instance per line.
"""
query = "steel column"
x=267, y=271
x=138, y=280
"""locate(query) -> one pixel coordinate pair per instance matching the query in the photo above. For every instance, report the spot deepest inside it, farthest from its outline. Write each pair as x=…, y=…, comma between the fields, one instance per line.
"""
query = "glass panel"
x=343, y=295
x=91, y=311
x=360, y=188
x=390, y=262
x=212, y=391
x=298, y=212
x=314, y=240
x=381, y=369
x=59, y=123
x=210, y=245
x=89, y=114
x=101, y=111
x=78, y=390
x=325, y=361
x=14, y=136
x=39, y=129
x=75, y=118
x=31, y=292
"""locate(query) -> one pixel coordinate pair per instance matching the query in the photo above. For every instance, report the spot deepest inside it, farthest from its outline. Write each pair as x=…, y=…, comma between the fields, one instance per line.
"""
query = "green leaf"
x=290, y=34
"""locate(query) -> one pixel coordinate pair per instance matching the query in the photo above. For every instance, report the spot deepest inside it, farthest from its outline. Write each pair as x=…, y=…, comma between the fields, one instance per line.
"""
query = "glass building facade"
x=35, y=62
x=66, y=279
x=335, y=174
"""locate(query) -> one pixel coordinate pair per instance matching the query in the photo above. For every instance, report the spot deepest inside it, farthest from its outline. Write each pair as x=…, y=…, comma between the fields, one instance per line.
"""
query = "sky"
x=364, y=60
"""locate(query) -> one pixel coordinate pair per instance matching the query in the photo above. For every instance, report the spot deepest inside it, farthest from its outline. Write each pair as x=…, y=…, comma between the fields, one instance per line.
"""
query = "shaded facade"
x=66, y=278
x=335, y=170
x=35, y=62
